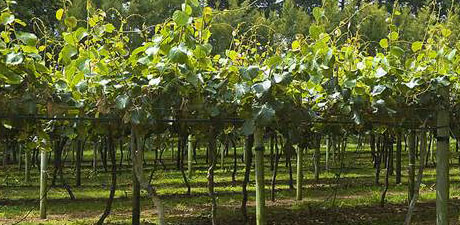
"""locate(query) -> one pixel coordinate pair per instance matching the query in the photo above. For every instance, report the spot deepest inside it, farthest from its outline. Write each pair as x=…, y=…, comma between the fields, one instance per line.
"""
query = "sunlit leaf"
x=378, y=89
x=180, y=18
x=59, y=14
x=411, y=84
x=451, y=55
x=27, y=38
x=70, y=22
x=6, y=18
x=380, y=72
x=416, y=46
x=262, y=87
x=265, y=115
x=178, y=54
x=121, y=102
x=393, y=36
x=14, y=58
x=384, y=43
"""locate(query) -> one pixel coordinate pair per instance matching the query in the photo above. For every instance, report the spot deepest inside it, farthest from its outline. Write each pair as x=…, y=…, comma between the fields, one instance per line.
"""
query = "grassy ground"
x=351, y=199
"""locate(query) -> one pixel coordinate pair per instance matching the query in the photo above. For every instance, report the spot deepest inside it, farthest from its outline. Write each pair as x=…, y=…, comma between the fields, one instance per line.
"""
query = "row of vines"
x=86, y=81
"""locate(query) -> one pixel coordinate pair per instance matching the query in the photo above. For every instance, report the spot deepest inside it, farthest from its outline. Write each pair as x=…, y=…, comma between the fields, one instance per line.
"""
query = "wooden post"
x=442, y=167
x=137, y=165
x=398, y=157
x=328, y=149
x=20, y=156
x=317, y=158
x=190, y=155
x=299, y=174
x=411, y=178
x=43, y=184
x=260, y=186
x=95, y=156
x=79, y=146
x=27, y=166
x=212, y=151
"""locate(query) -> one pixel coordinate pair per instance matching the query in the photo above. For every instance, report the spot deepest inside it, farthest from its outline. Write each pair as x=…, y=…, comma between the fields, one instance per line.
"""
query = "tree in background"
x=44, y=10
x=268, y=21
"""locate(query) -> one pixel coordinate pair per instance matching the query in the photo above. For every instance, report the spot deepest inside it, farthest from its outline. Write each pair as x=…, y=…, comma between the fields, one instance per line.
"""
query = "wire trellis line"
x=345, y=121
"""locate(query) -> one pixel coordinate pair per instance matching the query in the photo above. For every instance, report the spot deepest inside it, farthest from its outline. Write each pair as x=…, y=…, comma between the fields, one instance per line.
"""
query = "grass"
x=351, y=199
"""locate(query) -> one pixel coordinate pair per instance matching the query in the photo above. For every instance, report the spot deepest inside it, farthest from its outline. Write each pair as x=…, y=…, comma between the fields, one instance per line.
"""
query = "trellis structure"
x=89, y=75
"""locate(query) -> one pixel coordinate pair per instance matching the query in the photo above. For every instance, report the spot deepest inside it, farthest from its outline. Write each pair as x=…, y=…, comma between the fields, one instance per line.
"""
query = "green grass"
x=351, y=199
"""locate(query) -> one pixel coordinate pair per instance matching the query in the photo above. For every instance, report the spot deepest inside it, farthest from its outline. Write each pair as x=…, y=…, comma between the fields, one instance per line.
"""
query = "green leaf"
x=357, y=117
x=451, y=55
x=14, y=59
x=7, y=125
x=377, y=90
x=178, y=54
x=195, y=79
x=67, y=53
x=155, y=81
x=9, y=76
x=109, y=28
x=384, y=43
x=41, y=68
x=77, y=78
x=248, y=127
x=59, y=14
x=151, y=51
x=138, y=50
x=393, y=36
x=295, y=45
x=187, y=9
x=265, y=115
x=318, y=13
x=411, y=84
x=83, y=64
x=122, y=101
x=207, y=14
x=397, y=51
x=70, y=22
x=61, y=85
x=18, y=21
x=6, y=18
x=195, y=3
x=68, y=73
x=180, y=18
x=446, y=32
x=416, y=46
x=69, y=38
x=249, y=73
x=233, y=55
x=274, y=61
x=241, y=90
x=442, y=80
x=262, y=87
x=361, y=65
x=315, y=31
x=137, y=116
x=29, y=49
x=380, y=72
x=316, y=77
x=27, y=38
x=102, y=67
x=280, y=77
x=200, y=52
x=144, y=60
x=351, y=83
x=81, y=33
